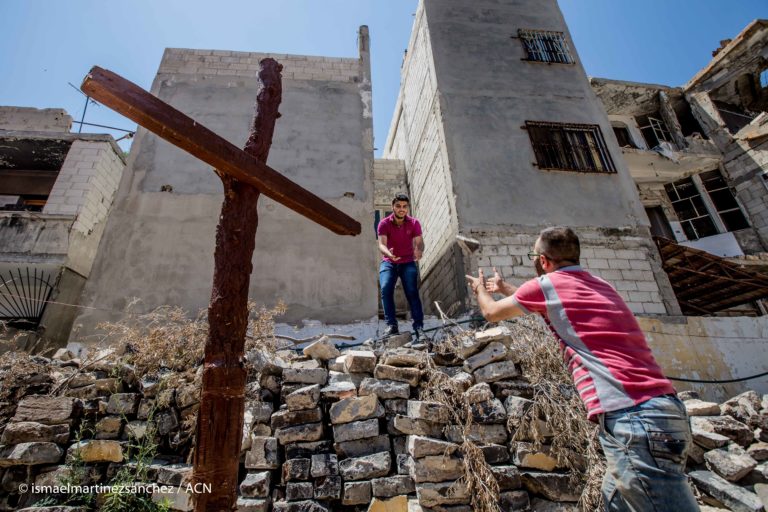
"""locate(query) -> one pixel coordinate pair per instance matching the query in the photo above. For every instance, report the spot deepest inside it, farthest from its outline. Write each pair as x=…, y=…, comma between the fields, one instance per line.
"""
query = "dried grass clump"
x=575, y=443
x=439, y=387
x=21, y=374
x=167, y=339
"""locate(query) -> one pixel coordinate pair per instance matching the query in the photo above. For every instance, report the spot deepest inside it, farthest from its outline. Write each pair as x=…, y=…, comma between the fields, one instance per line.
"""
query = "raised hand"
x=494, y=284
x=476, y=282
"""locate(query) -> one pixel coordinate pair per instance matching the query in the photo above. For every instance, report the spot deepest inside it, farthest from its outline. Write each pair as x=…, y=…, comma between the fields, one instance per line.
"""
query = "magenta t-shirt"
x=602, y=344
x=399, y=238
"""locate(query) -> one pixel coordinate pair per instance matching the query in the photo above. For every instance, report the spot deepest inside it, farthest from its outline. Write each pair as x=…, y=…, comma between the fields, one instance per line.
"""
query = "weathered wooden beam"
x=180, y=130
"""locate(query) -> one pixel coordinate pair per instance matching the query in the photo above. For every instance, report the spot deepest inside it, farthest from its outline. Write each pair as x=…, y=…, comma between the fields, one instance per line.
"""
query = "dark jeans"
x=409, y=276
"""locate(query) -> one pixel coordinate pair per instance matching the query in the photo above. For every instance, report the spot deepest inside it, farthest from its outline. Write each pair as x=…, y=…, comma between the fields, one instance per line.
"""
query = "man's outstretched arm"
x=492, y=310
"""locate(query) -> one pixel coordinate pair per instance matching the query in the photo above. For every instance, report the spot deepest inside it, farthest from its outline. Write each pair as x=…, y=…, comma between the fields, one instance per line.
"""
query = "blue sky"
x=48, y=43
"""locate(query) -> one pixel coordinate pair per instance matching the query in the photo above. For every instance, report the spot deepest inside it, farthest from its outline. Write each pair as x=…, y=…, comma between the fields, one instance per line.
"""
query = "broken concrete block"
x=322, y=349
x=361, y=447
x=726, y=426
x=367, y=467
x=261, y=411
x=356, y=493
x=303, y=398
x=405, y=357
x=396, y=406
x=516, y=387
x=434, y=412
x=96, y=451
x=253, y=505
x=339, y=391
x=412, y=376
x=495, y=351
x=30, y=454
x=731, y=465
x=758, y=451
x=263, y=453
x=481, y=434
x=553, y=486
x=527, y=456
x=299, y=433
x=256, y=485
x=496, y=371
x=359, y=361
x=489, y=412
x=389, y=486
x=296, y=469
x=443, y=493
x=307, y=450
x=356, y=409
x=708, y=440
x=328, y=488
x=514, y=500
x=398, y=340
x=393, y=504
x=109, y=427
x=495, y=453
x=123, y=403
x=478, y=393
x=298, y=506
x=31, y=431
x=286, y=417
x=732, y=496
x=174, y=474
x=324, y=464
x=508, y=477
x=296, y=491
x=355, y=430
x=384, y=389
x=305, y=375
x=695, y=454
x=48, y=410
x=436, y=468
x=695, y=407
x=421, y=446
x=744, y=408
x=417, y=427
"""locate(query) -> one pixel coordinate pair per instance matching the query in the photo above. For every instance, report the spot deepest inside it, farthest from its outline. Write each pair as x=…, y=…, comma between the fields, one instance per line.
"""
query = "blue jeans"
x=645, y=447
x=409, y=276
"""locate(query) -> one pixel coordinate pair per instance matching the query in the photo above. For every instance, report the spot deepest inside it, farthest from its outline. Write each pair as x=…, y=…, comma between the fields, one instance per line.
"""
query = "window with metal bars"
x=569, y=147
x=545, y=46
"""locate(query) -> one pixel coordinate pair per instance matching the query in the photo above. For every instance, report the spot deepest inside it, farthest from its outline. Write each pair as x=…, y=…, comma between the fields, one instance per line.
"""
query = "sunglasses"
x=533, y=256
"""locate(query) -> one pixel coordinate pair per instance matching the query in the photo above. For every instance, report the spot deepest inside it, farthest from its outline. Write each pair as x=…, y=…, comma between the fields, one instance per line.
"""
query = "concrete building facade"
x=159, y=242
x=56, y=192
x=492, y=95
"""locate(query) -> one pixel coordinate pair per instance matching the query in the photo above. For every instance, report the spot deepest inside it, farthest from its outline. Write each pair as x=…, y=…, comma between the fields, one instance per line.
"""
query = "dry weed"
x=574, y=443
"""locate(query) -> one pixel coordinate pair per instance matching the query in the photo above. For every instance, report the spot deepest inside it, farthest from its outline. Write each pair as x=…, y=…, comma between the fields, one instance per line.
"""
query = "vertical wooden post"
x=220, y=419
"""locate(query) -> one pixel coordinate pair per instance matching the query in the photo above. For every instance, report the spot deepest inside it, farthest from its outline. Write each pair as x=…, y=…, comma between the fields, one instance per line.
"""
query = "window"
x=723, y=201
x=545, y=46
x=690, y=200
x=623, y=137
x=691, y=210
x=764, y=79
x=569, y=147
x=653, y=129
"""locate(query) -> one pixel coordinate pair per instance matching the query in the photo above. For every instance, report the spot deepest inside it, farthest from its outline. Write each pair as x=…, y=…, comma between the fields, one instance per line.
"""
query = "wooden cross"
x=245, y=176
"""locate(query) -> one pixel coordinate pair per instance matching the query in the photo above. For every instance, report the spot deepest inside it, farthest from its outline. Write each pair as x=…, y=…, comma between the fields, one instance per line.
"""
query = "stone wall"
x=388, y=181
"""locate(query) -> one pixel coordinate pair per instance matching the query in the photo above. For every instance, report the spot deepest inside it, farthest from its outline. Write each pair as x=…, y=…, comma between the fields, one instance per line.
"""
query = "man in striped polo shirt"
x=644, y=429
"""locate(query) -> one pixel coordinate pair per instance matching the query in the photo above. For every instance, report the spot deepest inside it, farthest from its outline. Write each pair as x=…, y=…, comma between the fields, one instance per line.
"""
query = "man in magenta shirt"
x=644, y=427
x=401, y=246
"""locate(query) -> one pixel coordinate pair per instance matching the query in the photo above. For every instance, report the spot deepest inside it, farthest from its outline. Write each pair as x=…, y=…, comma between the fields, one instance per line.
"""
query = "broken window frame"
x=707, y=203
x=623, y=136
x=718, y=190
x=569, y=147
x=545, y=46
x=684, y=201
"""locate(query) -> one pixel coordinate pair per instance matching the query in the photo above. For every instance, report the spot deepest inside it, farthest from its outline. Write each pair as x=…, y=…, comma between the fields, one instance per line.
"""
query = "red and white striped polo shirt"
x=602, y=344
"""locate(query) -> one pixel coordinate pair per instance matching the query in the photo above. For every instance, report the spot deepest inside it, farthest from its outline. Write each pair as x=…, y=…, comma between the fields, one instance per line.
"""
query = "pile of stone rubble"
x=328, y=430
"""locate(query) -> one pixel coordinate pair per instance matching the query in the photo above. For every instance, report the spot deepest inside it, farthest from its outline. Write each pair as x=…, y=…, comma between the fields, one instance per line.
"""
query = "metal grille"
x=569, y=147
x=546, y=46
x=23, y=294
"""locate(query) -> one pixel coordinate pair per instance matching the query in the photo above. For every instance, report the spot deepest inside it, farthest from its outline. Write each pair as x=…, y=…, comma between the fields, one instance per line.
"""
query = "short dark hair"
x=401, y=197
x=560, y=244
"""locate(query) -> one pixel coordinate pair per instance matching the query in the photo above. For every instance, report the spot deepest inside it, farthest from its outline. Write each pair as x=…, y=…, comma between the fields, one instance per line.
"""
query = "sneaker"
x=418, y=333
x=391, y=330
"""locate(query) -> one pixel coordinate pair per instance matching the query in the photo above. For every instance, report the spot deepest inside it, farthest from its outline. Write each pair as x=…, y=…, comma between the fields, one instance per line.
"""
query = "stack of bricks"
x=86, y=184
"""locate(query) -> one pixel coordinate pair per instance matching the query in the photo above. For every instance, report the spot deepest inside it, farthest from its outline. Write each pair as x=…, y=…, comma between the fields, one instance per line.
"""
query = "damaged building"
x=497, y=133
x=56, y=191
x=697, y=154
